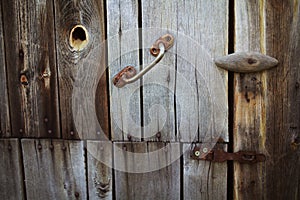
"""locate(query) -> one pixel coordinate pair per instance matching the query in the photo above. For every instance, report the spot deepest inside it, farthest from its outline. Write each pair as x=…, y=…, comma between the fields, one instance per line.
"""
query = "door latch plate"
x=219, y=155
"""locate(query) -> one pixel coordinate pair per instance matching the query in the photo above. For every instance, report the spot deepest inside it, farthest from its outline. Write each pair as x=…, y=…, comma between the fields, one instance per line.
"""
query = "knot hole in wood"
x=79, y=38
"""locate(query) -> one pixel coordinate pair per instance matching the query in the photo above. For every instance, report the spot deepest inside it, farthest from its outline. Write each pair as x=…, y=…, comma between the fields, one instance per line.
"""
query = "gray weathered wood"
x=267, y=105
x=163, y=183
x=82, y=77
x=209, y=39
x=246, y=62
x=99, y=161
x=203, y=179
x=31, y=68
x=4, y=108
x=11, y=177
x=54, y=169
x=123, y=50
x=159, y=83
x=186, y=84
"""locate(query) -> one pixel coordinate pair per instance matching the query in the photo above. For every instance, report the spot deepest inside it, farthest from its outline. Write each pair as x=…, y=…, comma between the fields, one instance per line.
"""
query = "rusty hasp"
x=126, y=73
x=219, y=155
x=246, y=62
x=167, y=40
x=129, y=75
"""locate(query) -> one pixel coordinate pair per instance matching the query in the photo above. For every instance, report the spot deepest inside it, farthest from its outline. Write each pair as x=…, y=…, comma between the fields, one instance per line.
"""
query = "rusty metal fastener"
x=129, y=74
x=217, y=155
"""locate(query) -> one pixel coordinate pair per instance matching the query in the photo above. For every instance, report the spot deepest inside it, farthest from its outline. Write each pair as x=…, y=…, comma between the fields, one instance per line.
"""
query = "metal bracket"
x=129, y=73
x=219, y=155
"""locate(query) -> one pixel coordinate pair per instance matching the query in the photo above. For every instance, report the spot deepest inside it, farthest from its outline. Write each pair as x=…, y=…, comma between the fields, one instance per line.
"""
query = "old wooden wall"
x=267, y=104
x=52, y=149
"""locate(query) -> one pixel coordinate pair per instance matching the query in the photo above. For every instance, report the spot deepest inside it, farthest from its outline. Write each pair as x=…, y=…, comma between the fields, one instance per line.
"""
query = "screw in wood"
x=158, y=135
x=129, y=137
x=205, y=150
x=71, y=132
x=76, y=194
x=197, y=153
x=49, y=131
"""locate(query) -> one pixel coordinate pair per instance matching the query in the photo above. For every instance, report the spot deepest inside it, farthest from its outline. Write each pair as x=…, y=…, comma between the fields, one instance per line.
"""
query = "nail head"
x=197, y=153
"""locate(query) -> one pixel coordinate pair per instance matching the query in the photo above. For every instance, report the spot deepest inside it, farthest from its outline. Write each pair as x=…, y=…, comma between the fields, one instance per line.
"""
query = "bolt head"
x=197, y=153
x=205, y=150
x=158, y=135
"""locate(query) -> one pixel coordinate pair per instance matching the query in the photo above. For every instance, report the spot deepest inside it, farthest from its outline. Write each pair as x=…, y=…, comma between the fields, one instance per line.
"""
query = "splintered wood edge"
x=246, y=62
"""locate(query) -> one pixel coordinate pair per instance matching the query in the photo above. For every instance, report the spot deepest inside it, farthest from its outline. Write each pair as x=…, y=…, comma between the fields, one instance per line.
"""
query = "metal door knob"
x=129, y=74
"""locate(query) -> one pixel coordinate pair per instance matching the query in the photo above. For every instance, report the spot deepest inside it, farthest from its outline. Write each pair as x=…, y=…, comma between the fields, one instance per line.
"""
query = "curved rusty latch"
x=219, y=155
x=129, y=75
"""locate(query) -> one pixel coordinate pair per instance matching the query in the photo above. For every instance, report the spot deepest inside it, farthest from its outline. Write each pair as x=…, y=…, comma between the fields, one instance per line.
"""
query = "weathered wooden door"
x=68, y=133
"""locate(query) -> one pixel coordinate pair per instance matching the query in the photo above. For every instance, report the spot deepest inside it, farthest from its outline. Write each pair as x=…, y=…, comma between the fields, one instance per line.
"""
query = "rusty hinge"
x=219, y=155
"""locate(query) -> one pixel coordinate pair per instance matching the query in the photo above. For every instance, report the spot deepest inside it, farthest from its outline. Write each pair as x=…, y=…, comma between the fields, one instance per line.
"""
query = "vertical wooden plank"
x=186, y=84
x=11, y=176
x=163, y=183
x=203, y=179
x=4, y=108
x=99, y=161
x=123, y=50
x=31, y=68
x=81, y=66
x=159, y=83
x=266, y=117
x=54, y=169
x=209, y=39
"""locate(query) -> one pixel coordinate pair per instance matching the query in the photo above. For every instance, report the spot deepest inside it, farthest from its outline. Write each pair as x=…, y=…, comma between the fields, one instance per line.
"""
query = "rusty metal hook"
x=129, y=74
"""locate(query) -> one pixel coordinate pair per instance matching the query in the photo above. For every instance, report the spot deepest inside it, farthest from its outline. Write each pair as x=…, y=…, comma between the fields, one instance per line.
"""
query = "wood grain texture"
x=246, y=62
x=267, y=107
x=54, y=169
x=160, y=184
x=4, y=104
x=159, y=83
x=123, y=50
x=11, y=176
x=99, y=161
x=82, y=77
x=208, y=39
x=203, y=179
x=31, y=68
x=177, y=93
